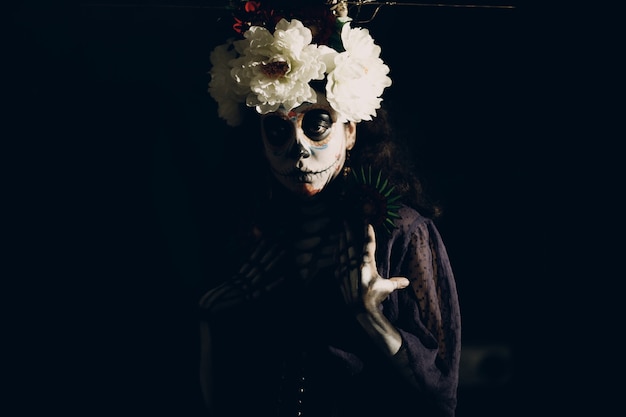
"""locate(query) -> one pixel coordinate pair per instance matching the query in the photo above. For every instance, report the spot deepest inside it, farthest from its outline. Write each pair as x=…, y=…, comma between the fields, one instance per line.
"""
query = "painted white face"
x=305, y=147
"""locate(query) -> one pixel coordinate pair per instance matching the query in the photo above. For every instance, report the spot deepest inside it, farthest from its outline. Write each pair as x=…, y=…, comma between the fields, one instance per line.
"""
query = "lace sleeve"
x=428, y=268
x=427, y=313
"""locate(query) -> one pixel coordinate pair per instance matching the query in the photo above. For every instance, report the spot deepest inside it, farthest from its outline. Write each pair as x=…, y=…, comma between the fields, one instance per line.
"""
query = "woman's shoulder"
x=410, y=218
x=414, y=229
x=411, y=224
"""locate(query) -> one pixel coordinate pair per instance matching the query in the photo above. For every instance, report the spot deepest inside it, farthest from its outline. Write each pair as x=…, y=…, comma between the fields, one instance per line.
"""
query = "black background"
x=115, y=198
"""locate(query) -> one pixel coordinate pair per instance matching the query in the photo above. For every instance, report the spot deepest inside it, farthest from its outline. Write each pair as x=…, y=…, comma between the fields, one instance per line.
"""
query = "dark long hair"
x=379, y=144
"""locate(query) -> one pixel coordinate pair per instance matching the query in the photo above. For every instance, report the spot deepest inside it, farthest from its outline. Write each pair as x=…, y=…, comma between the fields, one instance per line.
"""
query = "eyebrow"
x=284, y=114
x=310, y=106
x=315, y=106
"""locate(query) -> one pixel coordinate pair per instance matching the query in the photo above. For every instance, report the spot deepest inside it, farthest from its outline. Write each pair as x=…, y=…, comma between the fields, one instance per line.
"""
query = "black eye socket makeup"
x=316, y=124
x=277, y=130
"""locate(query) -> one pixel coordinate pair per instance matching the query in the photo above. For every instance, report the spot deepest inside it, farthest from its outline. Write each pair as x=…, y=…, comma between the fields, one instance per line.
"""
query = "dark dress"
x=298, y=350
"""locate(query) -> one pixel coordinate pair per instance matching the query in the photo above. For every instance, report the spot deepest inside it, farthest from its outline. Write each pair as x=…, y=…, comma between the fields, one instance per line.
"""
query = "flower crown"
x=279, y=58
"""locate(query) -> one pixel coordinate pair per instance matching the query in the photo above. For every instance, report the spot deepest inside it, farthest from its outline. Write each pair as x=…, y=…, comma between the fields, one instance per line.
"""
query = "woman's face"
x=305, y=147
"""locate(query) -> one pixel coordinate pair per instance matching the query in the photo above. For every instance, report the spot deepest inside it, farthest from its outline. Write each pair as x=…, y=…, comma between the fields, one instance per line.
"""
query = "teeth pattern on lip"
x=305, y=175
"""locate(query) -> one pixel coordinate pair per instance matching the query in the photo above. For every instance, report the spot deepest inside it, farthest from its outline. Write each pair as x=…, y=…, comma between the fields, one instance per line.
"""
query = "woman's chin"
x=304, y=189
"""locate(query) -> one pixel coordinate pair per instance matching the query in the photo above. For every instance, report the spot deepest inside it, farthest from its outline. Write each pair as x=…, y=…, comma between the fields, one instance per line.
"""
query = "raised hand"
x=364, y=289
x=361, y=284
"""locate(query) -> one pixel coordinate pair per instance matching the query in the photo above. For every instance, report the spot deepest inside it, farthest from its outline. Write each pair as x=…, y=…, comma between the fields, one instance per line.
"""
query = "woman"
x=343, y=302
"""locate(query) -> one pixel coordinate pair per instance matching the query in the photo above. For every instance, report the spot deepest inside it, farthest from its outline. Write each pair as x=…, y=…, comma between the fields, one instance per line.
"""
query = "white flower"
x=268, y=70
x=359, y=76
x=277, y=67
x=222, y=87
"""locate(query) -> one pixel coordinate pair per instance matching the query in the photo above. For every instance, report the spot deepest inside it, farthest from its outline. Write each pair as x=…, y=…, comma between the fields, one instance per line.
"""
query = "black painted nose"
x=298, y=151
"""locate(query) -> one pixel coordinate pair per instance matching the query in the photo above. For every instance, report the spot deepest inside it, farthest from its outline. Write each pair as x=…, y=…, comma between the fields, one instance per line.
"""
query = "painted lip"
x=304, y=177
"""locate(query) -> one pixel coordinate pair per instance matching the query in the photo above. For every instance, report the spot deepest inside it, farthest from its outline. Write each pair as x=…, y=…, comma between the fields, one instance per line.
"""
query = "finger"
x=259, y=251
x=369, y=250
x=368, y=263
x=387, y=286
x=399, y=282
x=382, y=288
x=268, y=262
x=223, y=296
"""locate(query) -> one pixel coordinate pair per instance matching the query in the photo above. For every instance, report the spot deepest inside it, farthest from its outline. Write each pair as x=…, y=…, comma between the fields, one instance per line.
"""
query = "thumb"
x=399, y=282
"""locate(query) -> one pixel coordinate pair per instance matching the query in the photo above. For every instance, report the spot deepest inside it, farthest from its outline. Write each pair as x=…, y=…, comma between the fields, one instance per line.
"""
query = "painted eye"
x=316, y=124
x=278, y=131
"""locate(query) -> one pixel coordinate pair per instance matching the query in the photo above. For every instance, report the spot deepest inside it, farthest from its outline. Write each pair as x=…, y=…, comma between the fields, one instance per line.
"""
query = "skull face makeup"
x=306, y=147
